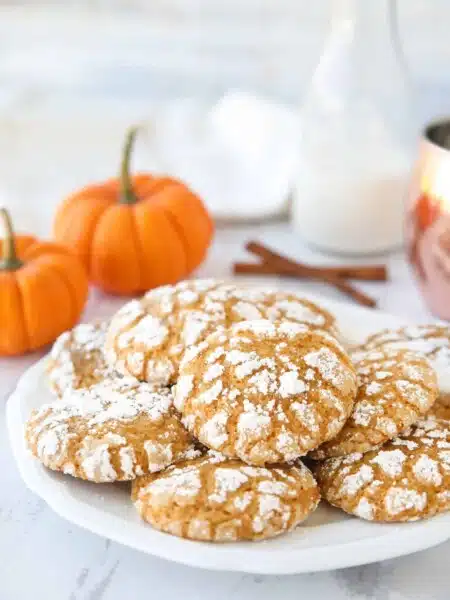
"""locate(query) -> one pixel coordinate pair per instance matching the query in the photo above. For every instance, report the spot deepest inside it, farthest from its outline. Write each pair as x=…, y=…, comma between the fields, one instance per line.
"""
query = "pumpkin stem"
x=127, y=196
x=9, y=260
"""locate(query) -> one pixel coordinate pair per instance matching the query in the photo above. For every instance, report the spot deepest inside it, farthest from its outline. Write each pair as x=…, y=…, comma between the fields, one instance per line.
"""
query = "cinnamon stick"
x=285, y=266
x=360, y=272
x=264, y=268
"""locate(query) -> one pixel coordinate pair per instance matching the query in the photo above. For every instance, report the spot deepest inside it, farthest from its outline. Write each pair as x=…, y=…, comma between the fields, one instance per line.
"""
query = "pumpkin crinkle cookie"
x=405, y=480
x=433, y=341
x=77, y=359
x=265, y=392
x=396, y=388
x=217, y=499
x=113, y=431
x=147, y=337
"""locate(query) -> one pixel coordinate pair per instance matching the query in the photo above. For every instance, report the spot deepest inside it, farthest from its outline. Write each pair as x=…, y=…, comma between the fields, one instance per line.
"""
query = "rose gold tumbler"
x=428, y=218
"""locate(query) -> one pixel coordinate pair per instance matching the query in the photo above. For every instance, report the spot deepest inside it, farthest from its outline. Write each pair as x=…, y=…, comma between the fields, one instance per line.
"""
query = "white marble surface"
x=42, y=557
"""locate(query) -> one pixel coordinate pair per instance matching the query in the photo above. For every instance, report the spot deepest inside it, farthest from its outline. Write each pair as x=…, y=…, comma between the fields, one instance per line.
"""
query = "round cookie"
x=147, y=337
x=112, y=431
x=265, y=392
x=405, y=480
x=396, y=388
x=77, y=359
x=431, y=340
x=220, y=500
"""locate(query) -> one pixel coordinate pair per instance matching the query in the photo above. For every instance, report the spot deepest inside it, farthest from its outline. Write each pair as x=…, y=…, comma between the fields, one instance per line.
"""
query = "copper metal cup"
x=428, y=218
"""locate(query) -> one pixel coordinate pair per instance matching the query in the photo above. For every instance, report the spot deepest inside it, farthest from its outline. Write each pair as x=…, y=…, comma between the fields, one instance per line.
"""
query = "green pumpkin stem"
x=9, y=260
x=127, y=195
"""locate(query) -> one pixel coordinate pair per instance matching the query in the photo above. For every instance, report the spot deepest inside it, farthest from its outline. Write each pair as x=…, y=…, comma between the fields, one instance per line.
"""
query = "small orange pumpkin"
x=136, y=232
x=43, y=290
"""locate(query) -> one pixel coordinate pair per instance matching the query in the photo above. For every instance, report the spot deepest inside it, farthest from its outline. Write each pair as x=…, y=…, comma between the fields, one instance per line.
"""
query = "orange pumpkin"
x=43, y=290
x=136, y=232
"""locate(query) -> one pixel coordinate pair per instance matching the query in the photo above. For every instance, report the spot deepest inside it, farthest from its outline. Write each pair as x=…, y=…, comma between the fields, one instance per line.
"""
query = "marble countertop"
x=44, y=557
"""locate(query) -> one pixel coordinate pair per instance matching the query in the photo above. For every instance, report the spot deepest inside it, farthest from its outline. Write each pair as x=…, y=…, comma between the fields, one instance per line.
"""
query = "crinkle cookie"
x=112, y=431
x=431, y=340
x=77, y=359
x=396, y=388
x=147, y=337
x=220, y=500
x=405, y=480
x=265, y=392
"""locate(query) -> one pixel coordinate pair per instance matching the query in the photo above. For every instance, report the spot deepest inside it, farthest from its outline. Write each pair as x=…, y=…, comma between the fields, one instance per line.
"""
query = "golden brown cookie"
x=431, y=340
x=220, y=500
x=147, y=337
x=112, y=431
x=396, y=388
x=77, y=359
x=265, y=392
x=439, y=411
x=405, y=480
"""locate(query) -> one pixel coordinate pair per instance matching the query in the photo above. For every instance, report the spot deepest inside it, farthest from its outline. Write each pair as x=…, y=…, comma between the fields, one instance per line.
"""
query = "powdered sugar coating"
x=168, y=320
x=385, y=406
x=433, y=341
x=262, y=407
x=77, y=359
x=217, y=499
x=405, y=480
x=112, y=431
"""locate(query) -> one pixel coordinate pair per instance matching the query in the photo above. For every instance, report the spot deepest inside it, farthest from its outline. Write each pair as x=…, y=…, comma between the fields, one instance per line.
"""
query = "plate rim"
x=405, y=539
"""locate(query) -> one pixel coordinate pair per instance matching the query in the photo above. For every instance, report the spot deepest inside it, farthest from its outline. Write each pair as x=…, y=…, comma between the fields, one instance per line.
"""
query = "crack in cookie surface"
x=406, y=480
x=147, y=337
x=396, y=388
x=217, y=499
x=77, y=359
x=432, y=341
x=112, y=431
x=265, y=392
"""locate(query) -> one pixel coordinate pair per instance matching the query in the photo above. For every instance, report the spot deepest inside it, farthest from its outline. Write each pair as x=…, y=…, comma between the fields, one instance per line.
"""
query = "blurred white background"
x=73, y=76
x=192, y=47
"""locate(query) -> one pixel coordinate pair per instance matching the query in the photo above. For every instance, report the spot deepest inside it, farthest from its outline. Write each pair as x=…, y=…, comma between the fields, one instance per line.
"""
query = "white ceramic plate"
x=328, y=540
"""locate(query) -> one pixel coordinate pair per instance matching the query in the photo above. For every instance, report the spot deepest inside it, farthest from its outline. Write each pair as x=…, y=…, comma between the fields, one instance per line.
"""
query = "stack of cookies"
x=206, y=396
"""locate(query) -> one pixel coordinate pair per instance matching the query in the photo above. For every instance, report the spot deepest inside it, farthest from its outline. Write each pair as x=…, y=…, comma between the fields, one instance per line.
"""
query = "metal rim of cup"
x=435, y=131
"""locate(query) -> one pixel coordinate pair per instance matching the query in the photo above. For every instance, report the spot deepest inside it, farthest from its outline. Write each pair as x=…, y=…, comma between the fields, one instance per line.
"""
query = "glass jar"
x=357, y=135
